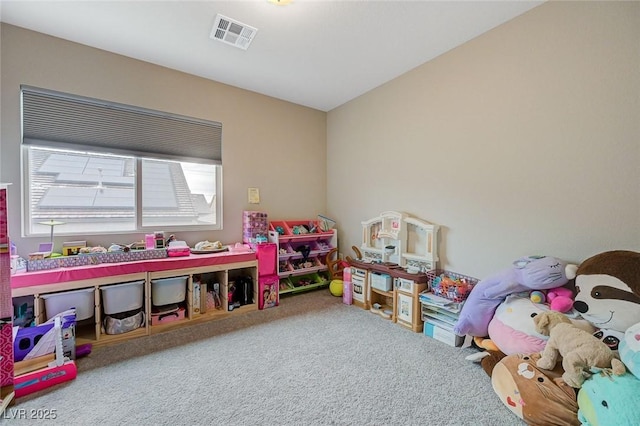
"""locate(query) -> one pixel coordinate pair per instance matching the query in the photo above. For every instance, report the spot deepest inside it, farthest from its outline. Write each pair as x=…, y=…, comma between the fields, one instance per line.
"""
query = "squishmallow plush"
x=608, y=290
x=606, y=400
x=609, y=337
x=526, y=274
x=630, y=349
x=512, y=328
x=539, y=397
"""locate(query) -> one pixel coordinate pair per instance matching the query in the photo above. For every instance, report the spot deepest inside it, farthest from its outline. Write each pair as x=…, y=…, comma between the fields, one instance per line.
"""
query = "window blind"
x=60, y=120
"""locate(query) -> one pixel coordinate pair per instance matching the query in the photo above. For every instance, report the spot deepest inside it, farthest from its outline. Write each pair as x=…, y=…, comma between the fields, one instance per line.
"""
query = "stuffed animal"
x=580, y=350
x=487, y=358
x=527, y=273
x=560, y=299
x=630, y=349
x=538, y=396
x=512, y=330
x=606, y=400
x=608, y=289
x=609, y=337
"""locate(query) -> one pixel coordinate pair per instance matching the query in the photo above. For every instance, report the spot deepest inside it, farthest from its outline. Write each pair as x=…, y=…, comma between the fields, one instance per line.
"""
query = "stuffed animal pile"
x=576, y=362
x=527, y=273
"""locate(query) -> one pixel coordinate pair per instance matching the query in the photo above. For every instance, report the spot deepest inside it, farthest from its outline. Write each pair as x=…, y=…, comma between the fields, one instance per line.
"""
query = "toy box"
x=178, y=248
x=167, y=317
x=199, y=297
x=33, y=342
x=82, y=300
x=165, y=291
x=122, y=297
x=438, y=332
x=268, y=295
x=450, y=285
x=380, y=282
x=254, y=225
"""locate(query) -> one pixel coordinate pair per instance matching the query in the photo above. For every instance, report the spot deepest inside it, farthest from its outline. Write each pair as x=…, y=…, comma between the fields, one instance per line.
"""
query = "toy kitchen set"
x=397, y=250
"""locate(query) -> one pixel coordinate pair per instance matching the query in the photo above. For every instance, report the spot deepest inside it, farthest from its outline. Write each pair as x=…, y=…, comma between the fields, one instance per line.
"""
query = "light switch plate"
x=254, y=195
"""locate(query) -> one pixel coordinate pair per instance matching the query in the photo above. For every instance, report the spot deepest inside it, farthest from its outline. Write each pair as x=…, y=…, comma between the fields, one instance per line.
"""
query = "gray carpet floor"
x=310, y=361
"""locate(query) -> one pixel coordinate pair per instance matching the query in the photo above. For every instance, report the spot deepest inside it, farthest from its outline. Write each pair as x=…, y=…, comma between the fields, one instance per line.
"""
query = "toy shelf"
x=301, y=256
x=219, y=268
x=300, y=283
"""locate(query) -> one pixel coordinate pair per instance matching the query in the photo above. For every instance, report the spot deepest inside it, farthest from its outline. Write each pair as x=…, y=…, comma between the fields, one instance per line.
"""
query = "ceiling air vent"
x=232, y=32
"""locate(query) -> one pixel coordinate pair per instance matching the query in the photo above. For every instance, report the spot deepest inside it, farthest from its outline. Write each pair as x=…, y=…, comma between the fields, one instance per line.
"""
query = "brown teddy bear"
x=579, y=349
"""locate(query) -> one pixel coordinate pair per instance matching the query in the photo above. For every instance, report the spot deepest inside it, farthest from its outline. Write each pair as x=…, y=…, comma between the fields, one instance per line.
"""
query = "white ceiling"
x=316, y=53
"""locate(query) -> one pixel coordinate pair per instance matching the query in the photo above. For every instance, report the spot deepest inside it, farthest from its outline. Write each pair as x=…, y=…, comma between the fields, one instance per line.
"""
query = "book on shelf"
x=431, y=299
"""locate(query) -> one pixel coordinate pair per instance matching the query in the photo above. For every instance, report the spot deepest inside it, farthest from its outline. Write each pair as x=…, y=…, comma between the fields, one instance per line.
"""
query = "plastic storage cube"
x=83, y=300
x=280, y=227
x=267, y=254
x=165, y=291
x=302, y=227
x=380, y=281
x=268, y=295
x=122, y=297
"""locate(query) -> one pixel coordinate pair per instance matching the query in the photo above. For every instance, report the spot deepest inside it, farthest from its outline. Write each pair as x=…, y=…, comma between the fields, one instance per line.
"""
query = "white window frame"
x=142, y=149
x=27, y=222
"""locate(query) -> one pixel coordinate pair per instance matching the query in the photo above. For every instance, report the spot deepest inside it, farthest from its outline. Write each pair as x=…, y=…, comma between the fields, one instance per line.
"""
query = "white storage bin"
x=443, y=333
x=122, y=297
x=380, y=282
x=83, y=300
x=165, y=291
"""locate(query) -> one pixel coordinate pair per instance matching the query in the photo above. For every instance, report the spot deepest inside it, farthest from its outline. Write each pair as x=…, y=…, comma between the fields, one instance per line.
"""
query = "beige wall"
x=525, y=140
x=276, y=146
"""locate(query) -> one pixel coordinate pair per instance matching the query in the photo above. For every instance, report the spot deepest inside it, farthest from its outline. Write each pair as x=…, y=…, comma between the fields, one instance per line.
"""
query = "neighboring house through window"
x=109, y=181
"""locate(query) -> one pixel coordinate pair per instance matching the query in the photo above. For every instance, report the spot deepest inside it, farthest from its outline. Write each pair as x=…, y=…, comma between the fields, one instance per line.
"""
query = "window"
x=95, y=178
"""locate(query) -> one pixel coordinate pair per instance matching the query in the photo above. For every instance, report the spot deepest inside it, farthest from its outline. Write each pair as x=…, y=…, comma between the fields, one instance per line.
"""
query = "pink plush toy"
x=560, y=299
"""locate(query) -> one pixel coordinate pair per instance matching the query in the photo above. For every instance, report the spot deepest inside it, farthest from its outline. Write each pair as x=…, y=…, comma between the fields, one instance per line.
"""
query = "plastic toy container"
x=381, y=282
x=83, y=300
x=122, y=297
x=296, y=226
x=451, y=285
x=165, y=291
x=280, y=227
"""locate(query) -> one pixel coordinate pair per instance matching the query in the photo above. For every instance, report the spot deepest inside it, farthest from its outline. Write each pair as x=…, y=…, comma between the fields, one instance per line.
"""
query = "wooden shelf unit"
x=90, y=330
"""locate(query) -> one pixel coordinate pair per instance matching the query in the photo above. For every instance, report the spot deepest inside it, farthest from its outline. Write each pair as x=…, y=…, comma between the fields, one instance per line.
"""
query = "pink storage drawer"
x=267, y=254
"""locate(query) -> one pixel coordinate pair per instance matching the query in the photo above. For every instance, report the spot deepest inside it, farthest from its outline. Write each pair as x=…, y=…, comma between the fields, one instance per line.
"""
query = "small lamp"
x=51, y=223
